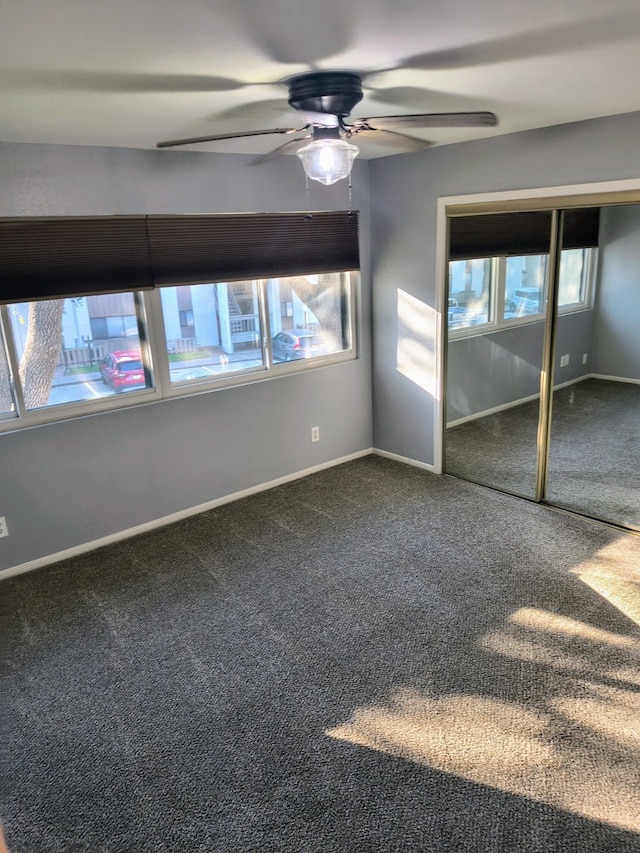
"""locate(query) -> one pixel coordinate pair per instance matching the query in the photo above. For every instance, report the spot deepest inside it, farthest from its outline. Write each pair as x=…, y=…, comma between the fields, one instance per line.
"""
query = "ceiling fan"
x=324, y=99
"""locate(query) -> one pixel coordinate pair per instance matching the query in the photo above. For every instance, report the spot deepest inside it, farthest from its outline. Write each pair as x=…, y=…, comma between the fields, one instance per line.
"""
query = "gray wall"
x=405, y=190
x=617, y=326
x=487, y=371
x=62, y=484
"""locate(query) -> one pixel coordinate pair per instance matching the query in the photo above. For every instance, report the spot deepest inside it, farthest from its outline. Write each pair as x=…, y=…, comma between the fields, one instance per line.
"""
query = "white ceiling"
x=133, y=72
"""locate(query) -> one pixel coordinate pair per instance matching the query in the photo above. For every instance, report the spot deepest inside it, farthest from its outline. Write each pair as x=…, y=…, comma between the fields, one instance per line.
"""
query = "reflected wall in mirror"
x=493, y=384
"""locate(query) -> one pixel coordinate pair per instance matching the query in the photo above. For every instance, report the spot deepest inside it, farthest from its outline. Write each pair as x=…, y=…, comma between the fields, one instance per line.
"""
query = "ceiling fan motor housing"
x=331, y=92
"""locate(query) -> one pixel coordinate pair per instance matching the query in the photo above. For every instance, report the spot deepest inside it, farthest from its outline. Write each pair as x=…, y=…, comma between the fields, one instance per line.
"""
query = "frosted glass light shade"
x=328, y=160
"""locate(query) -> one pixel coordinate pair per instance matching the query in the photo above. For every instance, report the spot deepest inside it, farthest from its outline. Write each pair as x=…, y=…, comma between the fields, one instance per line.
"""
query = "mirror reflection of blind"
x=522, y=233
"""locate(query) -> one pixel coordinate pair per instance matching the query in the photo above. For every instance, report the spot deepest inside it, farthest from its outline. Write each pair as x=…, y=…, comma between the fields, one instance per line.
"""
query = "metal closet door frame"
x=545, y=411
x=557, y=200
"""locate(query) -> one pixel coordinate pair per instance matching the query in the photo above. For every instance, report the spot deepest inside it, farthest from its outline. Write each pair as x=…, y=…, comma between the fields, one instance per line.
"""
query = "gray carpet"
x=594, y=460
x=370, y=659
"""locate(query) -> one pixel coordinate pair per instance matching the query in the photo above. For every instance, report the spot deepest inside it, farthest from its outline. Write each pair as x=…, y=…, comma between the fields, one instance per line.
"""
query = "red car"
x=123, y=369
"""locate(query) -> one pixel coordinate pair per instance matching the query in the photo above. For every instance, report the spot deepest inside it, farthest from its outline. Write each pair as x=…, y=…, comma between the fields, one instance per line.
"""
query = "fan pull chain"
x=350, y=198
x=306, y=184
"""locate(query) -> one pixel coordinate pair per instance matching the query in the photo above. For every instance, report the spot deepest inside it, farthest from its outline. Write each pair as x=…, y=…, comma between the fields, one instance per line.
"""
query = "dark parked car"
x=298, y=343
x=122, y=369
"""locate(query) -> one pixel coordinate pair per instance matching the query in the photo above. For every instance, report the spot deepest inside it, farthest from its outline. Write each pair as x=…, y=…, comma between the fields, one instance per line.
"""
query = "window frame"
x=350, y=281
x=589, y=276
x=22, y=417
x=155, y=358
x=497, y=321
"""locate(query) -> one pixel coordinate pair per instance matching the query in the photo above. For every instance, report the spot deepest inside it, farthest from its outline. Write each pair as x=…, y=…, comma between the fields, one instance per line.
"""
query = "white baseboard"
x=615, y=378
x=514, y=403
x=77, y=550
x=407, y=461
x=494, y=411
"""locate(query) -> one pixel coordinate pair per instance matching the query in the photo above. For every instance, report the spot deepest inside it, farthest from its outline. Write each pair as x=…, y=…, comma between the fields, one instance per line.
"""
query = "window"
x=59, y=362
x=86, y=353
x=187, y=323
x=470, y=292
x=167, y=305
x=225, y=334
x=99, y=328
x=492, y=293
x=245, y=326
x=576, y=269
x=316, y=318
x=525, y=287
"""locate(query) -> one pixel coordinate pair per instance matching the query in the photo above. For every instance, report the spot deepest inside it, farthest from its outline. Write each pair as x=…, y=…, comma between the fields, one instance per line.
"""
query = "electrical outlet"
x=4, y=530
x=315, y=433
x=585, y=357
x=564, y=360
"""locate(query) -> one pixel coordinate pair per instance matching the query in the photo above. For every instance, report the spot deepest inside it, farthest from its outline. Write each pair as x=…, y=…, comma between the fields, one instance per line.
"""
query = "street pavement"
x=89, y=386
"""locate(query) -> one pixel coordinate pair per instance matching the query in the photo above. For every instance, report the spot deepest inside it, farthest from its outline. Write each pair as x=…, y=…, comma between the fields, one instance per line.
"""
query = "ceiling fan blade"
x=268, y=156
x=122, y=82
x=392, y=139
x=239, y=135
x=533, y=43
x=414, y=96
x=267, y=109
x=325, y=29
x=470, y=119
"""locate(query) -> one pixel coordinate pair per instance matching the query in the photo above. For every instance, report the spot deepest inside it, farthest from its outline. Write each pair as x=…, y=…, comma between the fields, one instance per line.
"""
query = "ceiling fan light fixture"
x=328, y=160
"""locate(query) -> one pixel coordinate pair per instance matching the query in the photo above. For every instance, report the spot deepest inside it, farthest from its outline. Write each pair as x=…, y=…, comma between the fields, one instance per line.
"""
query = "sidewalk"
x=94, y=375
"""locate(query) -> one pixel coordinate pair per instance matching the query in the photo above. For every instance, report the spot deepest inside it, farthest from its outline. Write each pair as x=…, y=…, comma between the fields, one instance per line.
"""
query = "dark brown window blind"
x=581, y=228
x=525, y=233
x=193, y=249
x=71, y=256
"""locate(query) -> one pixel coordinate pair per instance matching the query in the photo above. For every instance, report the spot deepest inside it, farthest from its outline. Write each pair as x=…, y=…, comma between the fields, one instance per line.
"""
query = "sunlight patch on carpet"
x=615, y=575
x=564, y=644
x=572, y=741
x=547, y=755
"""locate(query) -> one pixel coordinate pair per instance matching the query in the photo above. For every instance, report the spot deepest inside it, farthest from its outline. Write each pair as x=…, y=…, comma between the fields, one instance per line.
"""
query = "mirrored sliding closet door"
x=543, y=356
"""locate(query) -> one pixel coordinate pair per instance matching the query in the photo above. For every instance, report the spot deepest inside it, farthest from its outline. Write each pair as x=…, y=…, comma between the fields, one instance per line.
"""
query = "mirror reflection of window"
x=470, y=289
x=489, y=293
x=576, y=274
x=525, y=286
